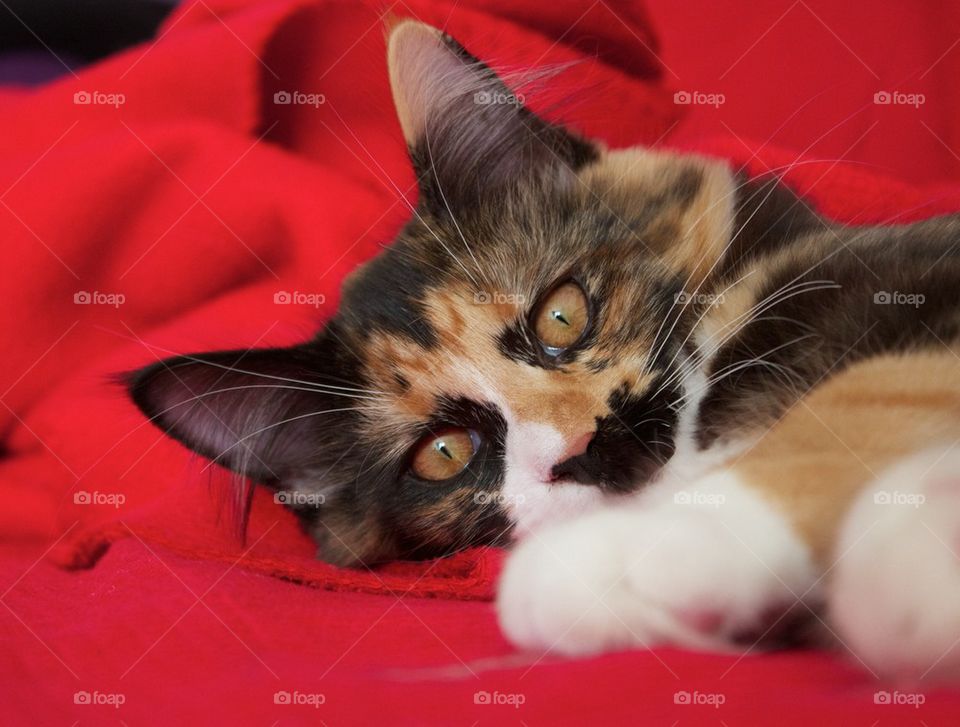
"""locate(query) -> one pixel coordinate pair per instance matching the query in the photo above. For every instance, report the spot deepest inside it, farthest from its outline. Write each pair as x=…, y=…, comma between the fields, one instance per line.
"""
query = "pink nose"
x=576, y=446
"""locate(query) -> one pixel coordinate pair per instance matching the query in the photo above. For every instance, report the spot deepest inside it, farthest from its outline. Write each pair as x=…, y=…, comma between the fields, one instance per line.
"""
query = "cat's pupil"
x=441, y=455
x=561, y=318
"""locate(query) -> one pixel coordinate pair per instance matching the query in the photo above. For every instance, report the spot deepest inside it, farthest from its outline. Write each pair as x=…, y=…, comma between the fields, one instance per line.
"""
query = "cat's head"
x=511, y=359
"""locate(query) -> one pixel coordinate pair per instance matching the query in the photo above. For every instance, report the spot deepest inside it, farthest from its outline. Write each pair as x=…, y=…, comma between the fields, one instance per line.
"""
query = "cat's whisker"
x=681, y=370
x=690, y=298
x=402, y=197
x=316, y=386
x=733, y=368
x=722, y=255
x=446, y=204
x=649, y=420
x=227, y=389
x=313, y=385
x=244, y=438
x=693, y=328
x=747, y=363
x=783, y=293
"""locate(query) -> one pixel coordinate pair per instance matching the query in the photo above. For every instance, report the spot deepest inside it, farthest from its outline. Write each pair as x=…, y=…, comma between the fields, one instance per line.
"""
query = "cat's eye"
x=444, y=454
x=560, y=319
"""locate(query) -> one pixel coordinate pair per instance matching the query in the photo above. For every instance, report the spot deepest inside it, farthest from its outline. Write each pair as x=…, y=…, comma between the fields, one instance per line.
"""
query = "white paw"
x=895, y=590
x=697, y=571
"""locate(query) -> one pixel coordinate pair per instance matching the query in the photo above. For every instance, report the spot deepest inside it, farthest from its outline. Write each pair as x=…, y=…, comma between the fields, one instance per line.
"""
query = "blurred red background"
x=802, y=74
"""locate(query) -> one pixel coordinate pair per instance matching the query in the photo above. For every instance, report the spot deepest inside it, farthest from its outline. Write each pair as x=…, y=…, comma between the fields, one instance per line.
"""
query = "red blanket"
x=164, y=201
x=167, y=200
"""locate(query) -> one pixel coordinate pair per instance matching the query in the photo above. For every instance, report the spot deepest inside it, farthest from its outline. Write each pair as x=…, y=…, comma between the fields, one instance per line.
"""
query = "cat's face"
x=512, y=359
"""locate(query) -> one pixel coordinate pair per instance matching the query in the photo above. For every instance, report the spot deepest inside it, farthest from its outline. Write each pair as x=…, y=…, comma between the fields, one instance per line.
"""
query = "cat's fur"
x=749, y=400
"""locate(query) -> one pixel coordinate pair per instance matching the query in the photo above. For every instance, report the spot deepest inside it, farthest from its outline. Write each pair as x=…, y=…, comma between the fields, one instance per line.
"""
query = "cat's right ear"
x=467, y=132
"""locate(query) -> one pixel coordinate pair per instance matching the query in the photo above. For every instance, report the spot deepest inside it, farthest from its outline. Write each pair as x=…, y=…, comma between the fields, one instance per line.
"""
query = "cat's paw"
x=702, y=568
x=894, y=596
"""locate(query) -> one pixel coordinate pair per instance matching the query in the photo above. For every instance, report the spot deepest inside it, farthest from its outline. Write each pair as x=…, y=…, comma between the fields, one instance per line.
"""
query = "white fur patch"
x=532, y=449
x=688, y=461
x=691, y=567
x=895, y=591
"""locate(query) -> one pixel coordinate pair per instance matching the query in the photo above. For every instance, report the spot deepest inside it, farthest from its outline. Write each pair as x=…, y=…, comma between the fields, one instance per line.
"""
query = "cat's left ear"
x=262, y=413
x=468, y=134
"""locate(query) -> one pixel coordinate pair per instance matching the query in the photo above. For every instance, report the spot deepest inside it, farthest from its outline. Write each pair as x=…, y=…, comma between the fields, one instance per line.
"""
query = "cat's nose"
x=576, y=447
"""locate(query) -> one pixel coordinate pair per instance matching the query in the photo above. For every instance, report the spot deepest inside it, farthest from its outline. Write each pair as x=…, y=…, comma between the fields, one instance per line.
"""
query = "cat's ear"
x=279, y=416
x=261, y=413
x=467, y=132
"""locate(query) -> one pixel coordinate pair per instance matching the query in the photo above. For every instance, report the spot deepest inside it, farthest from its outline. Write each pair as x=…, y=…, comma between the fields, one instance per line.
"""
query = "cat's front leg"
x=708, y=566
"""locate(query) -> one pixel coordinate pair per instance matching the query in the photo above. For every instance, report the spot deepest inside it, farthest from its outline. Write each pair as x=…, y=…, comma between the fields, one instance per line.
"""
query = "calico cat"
x=699, y=406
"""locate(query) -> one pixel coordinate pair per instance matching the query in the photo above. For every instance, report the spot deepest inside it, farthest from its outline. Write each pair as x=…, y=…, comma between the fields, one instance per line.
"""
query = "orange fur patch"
x=838, y=438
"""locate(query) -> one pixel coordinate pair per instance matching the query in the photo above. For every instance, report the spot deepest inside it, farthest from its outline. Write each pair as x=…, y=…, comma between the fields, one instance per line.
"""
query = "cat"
x=693, y=406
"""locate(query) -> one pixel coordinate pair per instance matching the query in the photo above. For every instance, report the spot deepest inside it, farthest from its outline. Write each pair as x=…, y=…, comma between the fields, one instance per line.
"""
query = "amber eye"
x=445, y=453
x=560, y=319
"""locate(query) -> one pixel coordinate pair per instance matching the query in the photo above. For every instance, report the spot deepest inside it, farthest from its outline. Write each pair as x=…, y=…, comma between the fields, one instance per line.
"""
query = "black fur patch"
x=387, y=296
x=630, y=445
x=833, y=328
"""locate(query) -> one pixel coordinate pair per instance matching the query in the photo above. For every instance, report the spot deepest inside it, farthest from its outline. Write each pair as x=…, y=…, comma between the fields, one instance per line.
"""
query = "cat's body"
x=703, y=409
